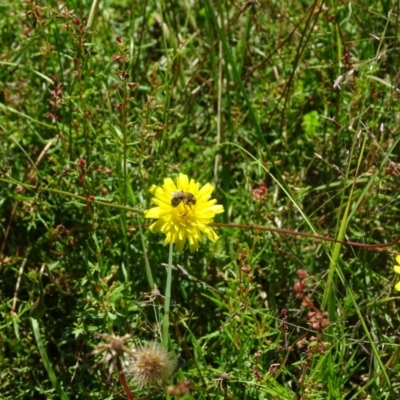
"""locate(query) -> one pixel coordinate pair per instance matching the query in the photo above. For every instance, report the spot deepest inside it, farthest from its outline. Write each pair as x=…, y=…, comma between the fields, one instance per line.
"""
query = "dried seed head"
x=150, y=364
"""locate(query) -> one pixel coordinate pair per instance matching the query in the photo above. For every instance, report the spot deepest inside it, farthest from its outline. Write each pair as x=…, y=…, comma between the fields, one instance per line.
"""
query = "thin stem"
x=54, y=282
x=17, y=286
x=146, y=259
x=123, y=382
x=328, y=293
x=92, y=14
x=68, y=194
x=219, y=110
x=377, y=246
x=39, y=307
x=283, y=231
x=165, y=327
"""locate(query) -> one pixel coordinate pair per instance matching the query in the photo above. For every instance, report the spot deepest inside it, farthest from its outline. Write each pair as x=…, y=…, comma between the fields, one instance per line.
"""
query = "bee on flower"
x=184, y=211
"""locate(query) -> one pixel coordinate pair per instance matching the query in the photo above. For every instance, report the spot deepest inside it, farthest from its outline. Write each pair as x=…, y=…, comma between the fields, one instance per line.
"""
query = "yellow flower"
x=397, y=269
x=189, y=215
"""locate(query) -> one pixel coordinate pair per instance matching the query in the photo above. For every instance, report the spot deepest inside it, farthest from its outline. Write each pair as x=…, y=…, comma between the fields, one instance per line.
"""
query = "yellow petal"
x=179, y=245
x=157, y=226
x=205, y=191
x=210, y=233
x=397, y=269
x=153, y=188
x=397, y=287
x=193, y=247
x=398, y=259
x=204, y=203
x=183, y=182
x=154, y=212
x=169, y=186
x=217, y=209
x=194, y=188
x=162, y=196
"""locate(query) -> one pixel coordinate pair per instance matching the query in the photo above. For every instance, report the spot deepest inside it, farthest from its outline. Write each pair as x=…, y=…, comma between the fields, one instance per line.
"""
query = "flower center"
x=183, y=214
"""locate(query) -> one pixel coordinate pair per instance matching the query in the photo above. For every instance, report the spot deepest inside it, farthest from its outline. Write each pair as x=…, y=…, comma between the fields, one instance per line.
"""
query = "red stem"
x=311, y=235
x=123, y=382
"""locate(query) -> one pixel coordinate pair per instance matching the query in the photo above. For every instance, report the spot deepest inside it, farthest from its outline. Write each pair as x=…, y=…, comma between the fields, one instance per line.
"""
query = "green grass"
x=302, y=96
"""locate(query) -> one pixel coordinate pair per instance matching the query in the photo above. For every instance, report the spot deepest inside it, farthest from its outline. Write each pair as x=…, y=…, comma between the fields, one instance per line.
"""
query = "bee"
x=182, y=197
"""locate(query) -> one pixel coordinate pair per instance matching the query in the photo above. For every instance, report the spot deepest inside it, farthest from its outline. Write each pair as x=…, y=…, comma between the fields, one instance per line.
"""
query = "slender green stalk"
x=149, y=275
x=46, y=361
x=165, y=327
x=328, y=294
x=92, y=14
x=39, y=307
x=69, y=194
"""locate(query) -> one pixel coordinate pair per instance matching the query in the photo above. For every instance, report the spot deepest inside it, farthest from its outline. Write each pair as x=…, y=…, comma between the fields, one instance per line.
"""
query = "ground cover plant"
x=199, y=199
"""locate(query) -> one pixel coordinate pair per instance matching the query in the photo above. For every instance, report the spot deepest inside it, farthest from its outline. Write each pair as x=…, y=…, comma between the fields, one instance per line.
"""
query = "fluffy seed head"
x=150, y=364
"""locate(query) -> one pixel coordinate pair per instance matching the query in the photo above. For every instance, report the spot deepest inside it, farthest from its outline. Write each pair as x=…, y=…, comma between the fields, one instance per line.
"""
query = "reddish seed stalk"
x=311, y=235
x=123, y=382
x=377, y=247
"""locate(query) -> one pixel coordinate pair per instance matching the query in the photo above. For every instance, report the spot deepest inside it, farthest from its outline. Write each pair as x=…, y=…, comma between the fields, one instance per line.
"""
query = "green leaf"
x=46, y=361
x=310, y=123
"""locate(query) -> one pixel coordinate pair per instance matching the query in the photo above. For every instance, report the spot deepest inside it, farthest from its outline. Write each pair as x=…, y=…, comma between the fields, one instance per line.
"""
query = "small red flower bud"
x=316, y=325
x=246, y=270
x=302, y=274
x=187, y=383
x=298, y=288
x=20, y=189
x=60, y=229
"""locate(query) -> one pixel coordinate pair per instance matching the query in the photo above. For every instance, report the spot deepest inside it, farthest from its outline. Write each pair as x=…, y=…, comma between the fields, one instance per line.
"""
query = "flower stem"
x=165, y=326
x=146, y=259
x=68, y=194
x=123, y=382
